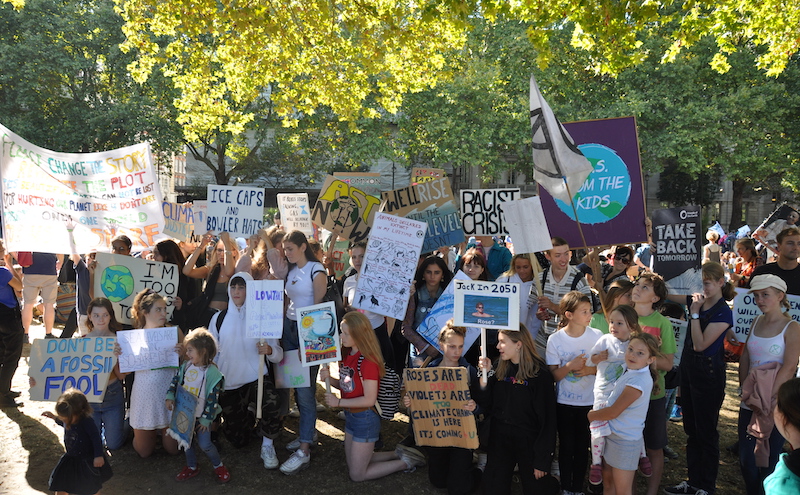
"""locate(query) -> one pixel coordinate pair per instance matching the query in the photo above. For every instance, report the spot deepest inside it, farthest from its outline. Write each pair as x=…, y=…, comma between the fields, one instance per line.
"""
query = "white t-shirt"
x=300, y=287
x=349, y=290
x=561, y=349
x=193, y=381
x=630, y=424
x=610, y=370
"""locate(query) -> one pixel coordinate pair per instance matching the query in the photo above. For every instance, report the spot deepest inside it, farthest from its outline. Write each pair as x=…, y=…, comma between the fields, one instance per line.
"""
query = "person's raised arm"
x=228, y=260
x=189, y=268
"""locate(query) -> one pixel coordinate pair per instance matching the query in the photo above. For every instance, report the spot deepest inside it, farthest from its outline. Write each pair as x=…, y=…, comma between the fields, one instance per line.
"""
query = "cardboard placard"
x=295, y=213
x=369, y=182
x=679, y=327
x=59, y=364
x=423, y=175
x=745, y=311
x=438, y=396
x=181, y=426
x=237, y=210
x=148, y=349
x=290, y=372
x=344, y=209
x=264, y=304
x=178, y=220
x=441, y=312
x=482, y=210
x=678, y=254
x=389, y=265
x=119, y=278
x=527, y=226
x=199, y=213
x=486, y=304
x=318, y=330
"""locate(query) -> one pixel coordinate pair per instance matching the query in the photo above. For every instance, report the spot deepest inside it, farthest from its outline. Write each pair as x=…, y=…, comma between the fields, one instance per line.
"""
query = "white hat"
x=760, y=282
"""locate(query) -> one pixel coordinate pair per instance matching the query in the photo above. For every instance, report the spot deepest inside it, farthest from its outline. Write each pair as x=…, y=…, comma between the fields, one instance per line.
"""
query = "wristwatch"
x=695, y=316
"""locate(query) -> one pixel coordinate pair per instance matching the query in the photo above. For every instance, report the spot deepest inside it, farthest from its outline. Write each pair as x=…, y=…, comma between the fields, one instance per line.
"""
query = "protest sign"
x=237, y=210
x=678, y=254
x=610, y=203
x=526, y=224
x=199, y=212
x=745, y=311
x=264, y=305
x=782, y=218
x=290, y=372
x=369, y=182
x=441, y=312
x=295, y=213
x=181, y=426
x=423, y=175
x=431, y=202
x=438, y=396
x=486, y=304
x=482, y=210
x=119, y=278
x=59, y=364
x=148, y=349
x=178, y=220
x=344, y=210
x=319, y=334
x=103, y=194
x=389, y=265
x=679, y=327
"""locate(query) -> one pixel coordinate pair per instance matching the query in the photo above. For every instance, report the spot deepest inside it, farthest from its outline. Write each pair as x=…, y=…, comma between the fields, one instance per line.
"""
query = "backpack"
x=332, y=294
x=388, y=401
x=596, y=306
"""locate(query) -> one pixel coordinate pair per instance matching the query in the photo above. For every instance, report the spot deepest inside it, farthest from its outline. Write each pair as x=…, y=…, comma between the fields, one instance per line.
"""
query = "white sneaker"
x=411, y=456
x=294, y=412
x=296, y=463
x=320, y=408
x=482, y=459
x=269, y=457
x=295, y=444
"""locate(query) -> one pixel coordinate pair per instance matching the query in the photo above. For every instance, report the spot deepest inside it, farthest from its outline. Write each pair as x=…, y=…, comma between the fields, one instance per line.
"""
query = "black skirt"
x=77, y=475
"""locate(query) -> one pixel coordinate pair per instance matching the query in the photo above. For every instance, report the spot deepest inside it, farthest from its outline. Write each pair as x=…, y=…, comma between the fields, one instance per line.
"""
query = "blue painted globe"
x=117, y=283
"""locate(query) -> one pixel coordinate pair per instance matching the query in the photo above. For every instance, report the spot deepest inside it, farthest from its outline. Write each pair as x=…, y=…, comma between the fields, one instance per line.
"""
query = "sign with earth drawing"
x=610, y=203
x=344, y=209
x=119, y=278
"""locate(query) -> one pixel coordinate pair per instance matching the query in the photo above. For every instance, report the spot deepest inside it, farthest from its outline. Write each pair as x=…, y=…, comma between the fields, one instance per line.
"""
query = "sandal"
x=187, y=473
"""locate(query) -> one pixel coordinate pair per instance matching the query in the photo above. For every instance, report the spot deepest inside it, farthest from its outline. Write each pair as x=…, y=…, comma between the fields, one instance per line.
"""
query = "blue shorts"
x=364, y=426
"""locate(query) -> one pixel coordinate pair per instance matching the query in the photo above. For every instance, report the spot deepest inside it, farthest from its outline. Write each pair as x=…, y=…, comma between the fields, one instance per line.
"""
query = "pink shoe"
x=223, y=475
x=645, y=468
x=596, y=474
x=187, y=473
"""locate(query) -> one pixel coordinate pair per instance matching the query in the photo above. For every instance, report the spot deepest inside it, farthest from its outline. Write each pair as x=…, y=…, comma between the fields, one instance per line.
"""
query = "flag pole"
x=575, y=211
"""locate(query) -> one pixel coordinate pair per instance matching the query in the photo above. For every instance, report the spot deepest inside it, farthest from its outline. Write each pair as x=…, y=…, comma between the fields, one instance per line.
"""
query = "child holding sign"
x=359, y=375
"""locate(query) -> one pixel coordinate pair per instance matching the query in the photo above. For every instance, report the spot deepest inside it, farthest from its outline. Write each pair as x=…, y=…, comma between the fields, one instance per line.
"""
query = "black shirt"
x=791, y=277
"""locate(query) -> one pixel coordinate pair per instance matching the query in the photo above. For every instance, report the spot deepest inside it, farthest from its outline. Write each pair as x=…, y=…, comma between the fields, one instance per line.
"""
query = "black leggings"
x=574, y=442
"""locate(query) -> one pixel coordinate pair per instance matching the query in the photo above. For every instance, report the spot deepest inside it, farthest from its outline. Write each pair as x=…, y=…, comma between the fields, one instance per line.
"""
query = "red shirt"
x=349, y=380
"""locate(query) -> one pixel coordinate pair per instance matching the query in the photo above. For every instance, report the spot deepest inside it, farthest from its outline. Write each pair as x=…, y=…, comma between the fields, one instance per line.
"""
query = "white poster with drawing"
x=389, y=266
x=295, y=212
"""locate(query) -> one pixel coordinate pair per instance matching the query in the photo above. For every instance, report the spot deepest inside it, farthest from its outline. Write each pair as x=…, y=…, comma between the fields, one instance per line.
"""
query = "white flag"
x=555, y=156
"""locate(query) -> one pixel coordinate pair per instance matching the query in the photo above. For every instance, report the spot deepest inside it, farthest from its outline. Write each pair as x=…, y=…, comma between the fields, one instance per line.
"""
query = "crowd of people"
x=576, y=398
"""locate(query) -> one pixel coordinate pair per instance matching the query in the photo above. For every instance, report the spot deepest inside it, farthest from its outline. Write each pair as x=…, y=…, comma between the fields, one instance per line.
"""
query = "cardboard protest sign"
x=295, y=213
x=431, y=202
x=526, y=225
x=148, y=349
x=318, y=329
x=181, y=426
x=745, y=311
x=200, y=213
x=782, y=218
x=344, y=210
x=678, y=254
x=610, y=204
x=389, y=265
x=482, y=210
x=486, y=304
x=438, y=396
x=119, y=278
x=264, y=305
x=441, y=312
x=422, y=175
x=237, y=210
x=369, y=182
x=178, y=220
x=290, y=372
x=103, y=194
x=59, y=364
x=679, y=327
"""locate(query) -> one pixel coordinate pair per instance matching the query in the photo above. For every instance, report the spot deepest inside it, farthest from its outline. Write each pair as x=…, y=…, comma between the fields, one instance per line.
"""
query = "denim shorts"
x=364, y=426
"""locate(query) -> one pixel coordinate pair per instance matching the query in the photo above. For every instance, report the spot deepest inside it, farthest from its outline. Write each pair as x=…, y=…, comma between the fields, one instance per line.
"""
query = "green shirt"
x=659, y=325
x=599, y=322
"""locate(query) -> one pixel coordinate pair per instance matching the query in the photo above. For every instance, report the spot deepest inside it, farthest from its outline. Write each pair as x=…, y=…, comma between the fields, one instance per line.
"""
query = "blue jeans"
x=305, y=397
x=203, y=440
x=364, y=426
x=109, y=416
x=753, y=475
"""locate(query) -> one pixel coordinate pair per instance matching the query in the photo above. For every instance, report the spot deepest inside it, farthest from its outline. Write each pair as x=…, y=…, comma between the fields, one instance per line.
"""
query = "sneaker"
x=483, y=457
x=223, y=475
x=682, y=488
x=187, y=473
x=294, y=412
x=677, y=413
x=296, y=463
x=341, y=415
x=645, y=467
x=320, y=408
x=596, y=474
x=669, y=453
x=411, y=456
x=269, y=457
x=295, y=444
x=555, y=470
x=49, y=336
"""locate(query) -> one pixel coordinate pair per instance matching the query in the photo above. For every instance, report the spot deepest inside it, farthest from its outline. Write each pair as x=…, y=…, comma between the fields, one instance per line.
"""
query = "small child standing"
x=83, y=468
x=625, y=413
x=201, y=378
x=609, y=356
x=566, y=356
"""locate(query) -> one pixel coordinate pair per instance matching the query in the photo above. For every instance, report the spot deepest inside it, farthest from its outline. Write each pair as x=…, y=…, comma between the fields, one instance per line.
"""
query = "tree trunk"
x=736, y=204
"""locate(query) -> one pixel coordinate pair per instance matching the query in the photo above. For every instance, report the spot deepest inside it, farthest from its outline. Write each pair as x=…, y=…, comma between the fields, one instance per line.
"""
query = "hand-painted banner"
x=610, y=203
x=431, y=202
x=486, y=304
x=677, y=257
x=745, y=311
x=181, y=426
x=389, y=265
x=100, y=195
x=438, y=396
x=441, y=312
x=422, y=175
x=119, y=278
x=264, y=309
x=482, y=210
x=236, y=210
x=319, y=334
x=148, y=349
x=295, y=213
x=344, y=210
x=369, y=182
x=178, y=220
x=200, y=213
x=59, y=364
x=525, y=222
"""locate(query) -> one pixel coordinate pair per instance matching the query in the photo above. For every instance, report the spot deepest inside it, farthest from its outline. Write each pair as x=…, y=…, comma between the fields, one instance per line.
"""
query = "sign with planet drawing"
x=319, y=334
